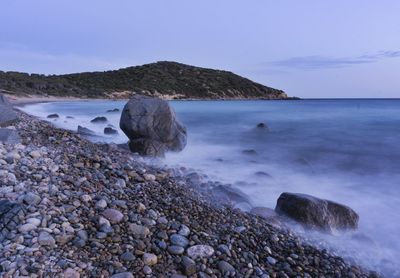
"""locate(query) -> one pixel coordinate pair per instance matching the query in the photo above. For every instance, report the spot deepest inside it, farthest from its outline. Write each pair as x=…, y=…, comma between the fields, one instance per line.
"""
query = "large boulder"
x=151, y=126
x=11, y=215
x=9, y=136
x=7, y=114
x=317, y=213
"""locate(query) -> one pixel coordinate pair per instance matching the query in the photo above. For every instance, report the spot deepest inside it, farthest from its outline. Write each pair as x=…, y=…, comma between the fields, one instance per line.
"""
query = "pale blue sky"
x=307, y=48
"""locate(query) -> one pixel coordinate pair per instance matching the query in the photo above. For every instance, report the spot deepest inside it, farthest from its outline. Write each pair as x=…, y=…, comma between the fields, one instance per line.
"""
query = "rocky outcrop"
x=317, y=213
x=152, y=127
x=7, y=114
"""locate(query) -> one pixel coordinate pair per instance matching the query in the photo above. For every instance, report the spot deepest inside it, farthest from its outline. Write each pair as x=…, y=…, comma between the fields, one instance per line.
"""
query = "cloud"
x=323, y=62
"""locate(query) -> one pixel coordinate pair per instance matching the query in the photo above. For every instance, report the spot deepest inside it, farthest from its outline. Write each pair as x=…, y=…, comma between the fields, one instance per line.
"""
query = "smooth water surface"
x=347, y=151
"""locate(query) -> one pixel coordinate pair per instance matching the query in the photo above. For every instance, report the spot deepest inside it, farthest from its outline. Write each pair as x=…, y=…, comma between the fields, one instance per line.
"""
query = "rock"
x=85, y=131
x=128, y=256
x=35, y=154
x=98, y=120
x=225, y=267
x=177, y=239
x=113, y=215
x=317, y=213
x=27, y=228
x=176, y=250
x=152, y=127
x=123, y=275
x=102, y=204
x=9, y=136
x=110, y=131
x=10, y=217
x=53, y=116
x=184, y=230
x=32, y=199
x=271, y=260
x=138, y=231
x=189, y=266
x=45, y=239
x=262, y=126
x=113, y=110
x=71, y=273
x=249, y=152
x=149, y=259
x=262, y=174
x=147, y=270
x=200, y=251
x=7, y=114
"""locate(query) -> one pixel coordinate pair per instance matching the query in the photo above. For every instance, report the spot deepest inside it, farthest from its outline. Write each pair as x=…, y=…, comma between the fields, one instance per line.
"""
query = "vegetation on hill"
x=165, y=79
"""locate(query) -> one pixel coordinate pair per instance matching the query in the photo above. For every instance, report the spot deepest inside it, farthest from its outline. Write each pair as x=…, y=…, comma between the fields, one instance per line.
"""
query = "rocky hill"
x=169, y=80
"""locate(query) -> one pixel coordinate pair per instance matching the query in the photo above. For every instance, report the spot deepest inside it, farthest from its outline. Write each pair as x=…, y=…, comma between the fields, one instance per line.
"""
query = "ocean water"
x=347, y=151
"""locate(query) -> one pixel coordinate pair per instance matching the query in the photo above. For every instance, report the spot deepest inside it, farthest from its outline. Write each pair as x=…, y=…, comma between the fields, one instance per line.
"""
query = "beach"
x=95, y=210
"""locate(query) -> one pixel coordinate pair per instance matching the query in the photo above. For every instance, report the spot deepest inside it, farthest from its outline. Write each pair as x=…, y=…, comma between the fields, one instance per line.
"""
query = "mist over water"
x=346, y=151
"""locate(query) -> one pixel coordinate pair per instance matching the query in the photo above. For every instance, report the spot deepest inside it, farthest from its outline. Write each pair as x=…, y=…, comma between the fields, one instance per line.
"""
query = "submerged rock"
x=110, y=131
x=10, y=217
x=317, y=213
x=99, y=120
x=152, y=127
x=113, y=110
x=53, y=116
x=85, y=131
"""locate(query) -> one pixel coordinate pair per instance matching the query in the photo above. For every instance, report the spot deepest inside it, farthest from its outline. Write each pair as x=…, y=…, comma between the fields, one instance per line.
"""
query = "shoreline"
x=117, y=214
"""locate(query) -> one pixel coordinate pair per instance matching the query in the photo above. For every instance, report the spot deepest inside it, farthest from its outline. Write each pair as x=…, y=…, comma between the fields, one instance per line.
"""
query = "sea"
x=344, y=150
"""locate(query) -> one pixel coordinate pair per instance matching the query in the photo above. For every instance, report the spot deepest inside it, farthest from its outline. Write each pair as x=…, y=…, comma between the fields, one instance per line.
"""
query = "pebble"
x=149, y=259
x=138, y=231
x=102, y=204
x=225, y=267
x=179, y=240
x=200, y=251
x=113, y=215
x=46, y=239
x=176, y=250
x=123, y=275
x=184, y=230
x=27, y=228
x=71, y=273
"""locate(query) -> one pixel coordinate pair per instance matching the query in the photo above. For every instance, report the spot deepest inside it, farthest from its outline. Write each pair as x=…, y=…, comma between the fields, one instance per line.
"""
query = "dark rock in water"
x=53, y=116
x=70, y=117
x=99, y=120
x=113, y=110
x=85, y=131
x=7, y=114
x=262, y=126
x=228, y=194
x=11, y=215
x=9, y=136
x=249, y=152
x=152, y=127
x=317, y=213
x=110, y=131
x=262, y=174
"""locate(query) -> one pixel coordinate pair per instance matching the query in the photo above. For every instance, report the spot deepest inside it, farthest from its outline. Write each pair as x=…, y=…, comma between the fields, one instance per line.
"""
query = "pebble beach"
x=74, y=208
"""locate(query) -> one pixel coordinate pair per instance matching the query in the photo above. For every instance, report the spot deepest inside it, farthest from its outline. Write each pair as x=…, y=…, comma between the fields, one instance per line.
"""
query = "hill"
x=169, y=80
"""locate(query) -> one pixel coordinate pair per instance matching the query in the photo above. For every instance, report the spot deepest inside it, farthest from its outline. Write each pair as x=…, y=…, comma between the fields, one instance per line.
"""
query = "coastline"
x=152, y=210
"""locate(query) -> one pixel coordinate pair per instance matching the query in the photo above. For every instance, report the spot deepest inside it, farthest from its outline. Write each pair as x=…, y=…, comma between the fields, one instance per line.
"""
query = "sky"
x=308, y=48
